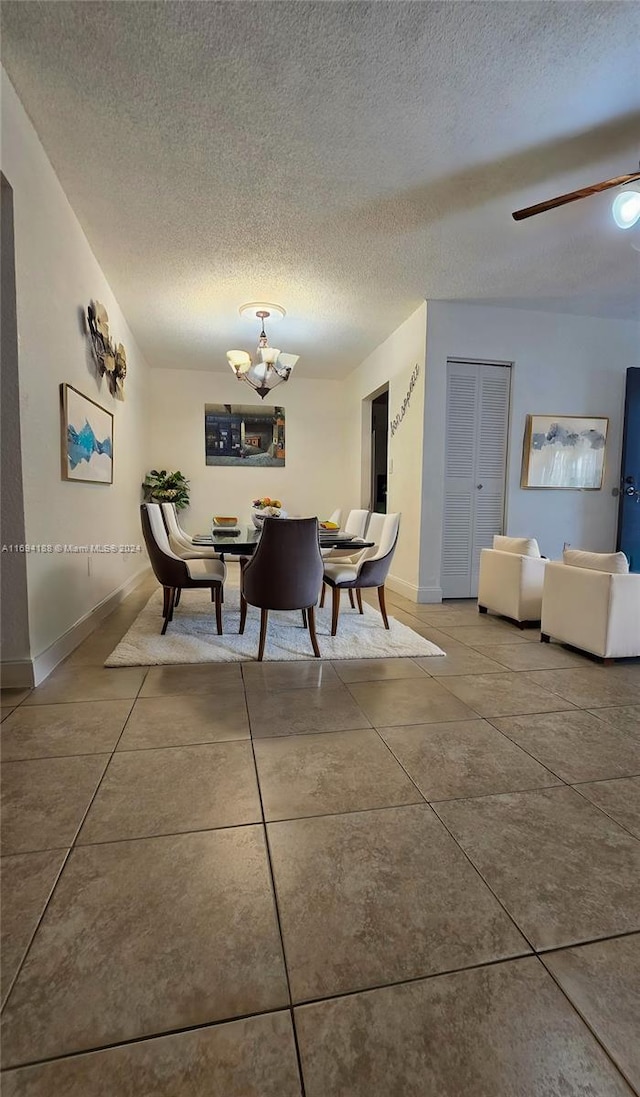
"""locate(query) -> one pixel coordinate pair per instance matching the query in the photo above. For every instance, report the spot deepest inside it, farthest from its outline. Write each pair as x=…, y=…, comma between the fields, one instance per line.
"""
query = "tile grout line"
x=588, y=1024
x=274, y=895
x=468, y=858
x=317, y=1001
x=66, y=859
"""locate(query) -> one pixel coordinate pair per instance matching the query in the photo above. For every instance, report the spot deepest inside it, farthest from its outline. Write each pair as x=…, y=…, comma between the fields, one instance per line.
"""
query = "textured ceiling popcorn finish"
x=347, y=159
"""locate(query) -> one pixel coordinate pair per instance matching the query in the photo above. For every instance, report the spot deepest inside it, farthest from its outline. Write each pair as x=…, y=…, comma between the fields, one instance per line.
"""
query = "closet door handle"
x=478, y=486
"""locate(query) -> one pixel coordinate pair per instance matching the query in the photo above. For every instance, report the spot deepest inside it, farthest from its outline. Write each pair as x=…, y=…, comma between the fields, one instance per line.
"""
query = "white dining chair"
x=181, y=543
x=370, y=571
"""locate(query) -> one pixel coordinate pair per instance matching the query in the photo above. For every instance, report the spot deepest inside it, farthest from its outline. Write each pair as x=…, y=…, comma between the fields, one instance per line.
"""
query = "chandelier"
x=270, y=367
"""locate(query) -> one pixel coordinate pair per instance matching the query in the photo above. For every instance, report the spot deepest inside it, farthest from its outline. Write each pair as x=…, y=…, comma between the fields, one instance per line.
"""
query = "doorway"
x=379, y=451
x=629, y=512
x=477, y=432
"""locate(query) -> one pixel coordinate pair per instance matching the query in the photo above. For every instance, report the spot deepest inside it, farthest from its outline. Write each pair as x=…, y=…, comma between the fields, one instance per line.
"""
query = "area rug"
x=191, y=637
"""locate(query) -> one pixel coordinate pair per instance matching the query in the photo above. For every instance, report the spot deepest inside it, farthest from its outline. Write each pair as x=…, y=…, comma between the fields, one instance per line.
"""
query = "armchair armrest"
x=592, y=610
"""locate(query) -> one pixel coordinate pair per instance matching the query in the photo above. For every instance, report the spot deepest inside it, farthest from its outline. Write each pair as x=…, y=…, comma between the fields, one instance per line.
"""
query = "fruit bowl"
x=258, y=516
x=221, y=520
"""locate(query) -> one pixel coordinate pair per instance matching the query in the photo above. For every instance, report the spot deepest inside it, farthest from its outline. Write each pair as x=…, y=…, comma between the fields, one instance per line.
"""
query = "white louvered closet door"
x=475, y=469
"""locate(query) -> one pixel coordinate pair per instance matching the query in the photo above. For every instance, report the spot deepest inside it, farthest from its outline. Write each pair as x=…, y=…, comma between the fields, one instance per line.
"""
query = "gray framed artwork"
x=565, y=452
x=242, y=435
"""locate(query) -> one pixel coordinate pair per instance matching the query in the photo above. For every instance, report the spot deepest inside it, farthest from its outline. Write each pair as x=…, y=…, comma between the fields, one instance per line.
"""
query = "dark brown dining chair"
x=175, y=574
x=284, y=573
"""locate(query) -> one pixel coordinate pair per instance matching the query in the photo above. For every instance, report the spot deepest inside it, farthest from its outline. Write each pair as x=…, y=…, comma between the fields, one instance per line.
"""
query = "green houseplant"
x=166, y=487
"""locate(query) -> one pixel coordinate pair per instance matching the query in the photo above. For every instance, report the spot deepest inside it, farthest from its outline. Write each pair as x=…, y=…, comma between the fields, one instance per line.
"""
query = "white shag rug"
x=192, y=638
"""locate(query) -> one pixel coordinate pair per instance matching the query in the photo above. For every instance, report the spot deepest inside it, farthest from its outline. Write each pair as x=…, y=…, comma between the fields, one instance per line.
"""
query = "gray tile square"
x=27, y=881
x=459, y=659
x=311, y=674
x=418, y=701
x=329, y=773
x=593, y=687
x=191, y=678
x=379, y=896
x=180, y=720
x=301, y=711
x=623, y=718
x=499, y=1031
x=503, y=694
x=173, y=789
x=252, y=1057
x=620, y=799
x=534, y=656
x=45, y=799
x=82, y=727
x=602, y=981
x=564, y=871
x=70, y=683
x=146, y=937
x=371, y=670
x=493, y=632
x=467, y=758
x=575, y=744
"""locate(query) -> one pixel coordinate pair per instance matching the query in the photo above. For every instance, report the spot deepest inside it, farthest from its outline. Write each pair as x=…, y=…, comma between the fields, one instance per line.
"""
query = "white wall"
x=56, y=276
x=567, y=364
x=392, y=363
x=313, y=478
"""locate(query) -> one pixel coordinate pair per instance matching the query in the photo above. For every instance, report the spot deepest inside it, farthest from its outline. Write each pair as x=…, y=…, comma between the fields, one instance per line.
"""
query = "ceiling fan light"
x=626, y=209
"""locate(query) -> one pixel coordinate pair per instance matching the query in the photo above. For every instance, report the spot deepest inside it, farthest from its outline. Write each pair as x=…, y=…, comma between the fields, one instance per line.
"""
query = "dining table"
x=242, y=540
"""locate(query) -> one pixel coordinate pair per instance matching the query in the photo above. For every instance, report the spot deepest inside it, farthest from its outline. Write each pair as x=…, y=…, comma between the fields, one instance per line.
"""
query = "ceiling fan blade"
x=574, y=196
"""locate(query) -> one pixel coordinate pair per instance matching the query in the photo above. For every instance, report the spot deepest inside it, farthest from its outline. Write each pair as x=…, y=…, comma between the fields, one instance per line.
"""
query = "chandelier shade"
x=270, y=368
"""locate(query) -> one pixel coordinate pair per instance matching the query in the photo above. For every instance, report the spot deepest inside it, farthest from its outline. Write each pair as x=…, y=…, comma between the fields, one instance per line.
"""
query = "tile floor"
x=378, y=878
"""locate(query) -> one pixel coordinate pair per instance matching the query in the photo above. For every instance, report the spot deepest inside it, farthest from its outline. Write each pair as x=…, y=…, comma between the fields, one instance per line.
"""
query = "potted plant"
x=166, y=487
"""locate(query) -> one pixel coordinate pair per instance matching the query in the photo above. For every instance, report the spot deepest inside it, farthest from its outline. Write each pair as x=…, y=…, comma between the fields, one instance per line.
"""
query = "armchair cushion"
x=522, y=546
x=615, y=563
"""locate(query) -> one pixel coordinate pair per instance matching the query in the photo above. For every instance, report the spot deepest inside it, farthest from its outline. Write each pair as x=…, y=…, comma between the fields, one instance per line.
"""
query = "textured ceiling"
x=344, y=159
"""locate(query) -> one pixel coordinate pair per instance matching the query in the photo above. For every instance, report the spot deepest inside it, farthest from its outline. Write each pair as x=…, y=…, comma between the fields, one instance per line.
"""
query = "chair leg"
x=482, y=609
x=177, y=598
x=168, y=608
x=166, y=591
x=322, y=594
x=304, y=618
x=359, y=597
x=264, y=617
x=311, y=617
x=335, y=610
x=351, y=601
x=544, y=639
x=172, y=602
x=243, y=600
x=218, y=598
x=383, y=608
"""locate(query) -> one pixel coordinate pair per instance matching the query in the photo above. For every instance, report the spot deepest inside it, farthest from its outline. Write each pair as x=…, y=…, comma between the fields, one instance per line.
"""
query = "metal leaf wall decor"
x=110, y=359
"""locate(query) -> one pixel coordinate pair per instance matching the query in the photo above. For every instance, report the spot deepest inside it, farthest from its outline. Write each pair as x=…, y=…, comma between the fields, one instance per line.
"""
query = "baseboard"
x=414, y=593
x=16, y=674
x=36, y=670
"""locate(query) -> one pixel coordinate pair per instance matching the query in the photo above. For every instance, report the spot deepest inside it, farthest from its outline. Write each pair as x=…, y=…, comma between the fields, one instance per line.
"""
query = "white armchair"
x=594, y=610
x=511, y=578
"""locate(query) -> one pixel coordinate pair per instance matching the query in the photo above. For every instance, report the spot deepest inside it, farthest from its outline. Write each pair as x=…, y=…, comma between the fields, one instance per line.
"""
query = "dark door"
x=629, y=514
x=379, y=451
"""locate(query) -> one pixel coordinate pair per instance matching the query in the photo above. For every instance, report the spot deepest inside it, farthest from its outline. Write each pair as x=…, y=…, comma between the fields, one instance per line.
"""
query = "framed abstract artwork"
x=564, y=451
x=242, y=435
x=87, y=438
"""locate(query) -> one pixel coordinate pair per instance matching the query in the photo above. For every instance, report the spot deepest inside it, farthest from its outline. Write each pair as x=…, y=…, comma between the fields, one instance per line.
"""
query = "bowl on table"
x=223, y=521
